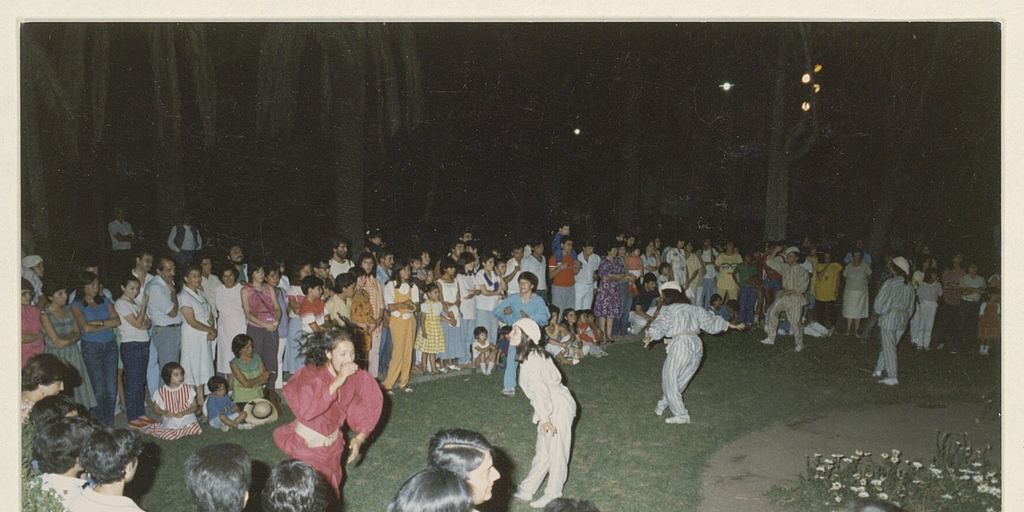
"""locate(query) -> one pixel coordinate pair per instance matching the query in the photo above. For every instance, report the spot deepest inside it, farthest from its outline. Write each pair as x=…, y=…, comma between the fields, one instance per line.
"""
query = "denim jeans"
x=101, y=362
x=135, y=356
x=384, y=354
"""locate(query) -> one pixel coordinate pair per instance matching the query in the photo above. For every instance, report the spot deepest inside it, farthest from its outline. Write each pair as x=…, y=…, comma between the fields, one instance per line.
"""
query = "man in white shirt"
x=534, y=262
x=340, y=263
x=121, y=237
x=588, y=262
x=163, y=311
x=707, y=256
x=513, y=268
x=185, y=239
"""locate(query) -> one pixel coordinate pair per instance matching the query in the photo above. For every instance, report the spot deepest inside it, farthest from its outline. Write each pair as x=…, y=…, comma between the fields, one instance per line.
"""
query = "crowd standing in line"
x=213, y=338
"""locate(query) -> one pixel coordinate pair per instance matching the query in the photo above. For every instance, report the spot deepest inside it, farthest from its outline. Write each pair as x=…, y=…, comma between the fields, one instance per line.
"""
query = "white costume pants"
x=551, y=458
x=681, y=364
x=922, y=322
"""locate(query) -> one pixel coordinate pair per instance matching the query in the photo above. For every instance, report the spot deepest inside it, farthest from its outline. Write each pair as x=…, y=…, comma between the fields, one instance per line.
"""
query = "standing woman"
x=262, y=315
x=60, y=336
x=403, y=300
x=360, y=314
x=326, y=393
x=650, y=258
x=274, y=279
x=31, y=329
x=553, y=412
x=825, y=287
x=134, y=329
x=467, y=305
x=607, y=304
x=894, y=305
x=375, y=292
x=293, y=359
x=489, y=286
x=197, y=333
x=230, y=318
x=96, y=318
x=855, y=292
x=454, y=346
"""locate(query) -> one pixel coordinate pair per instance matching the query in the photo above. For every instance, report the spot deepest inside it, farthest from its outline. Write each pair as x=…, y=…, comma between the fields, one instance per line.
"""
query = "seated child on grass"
x=502, y=345
x=220, y=409
x=176, y=404
x=485, y=353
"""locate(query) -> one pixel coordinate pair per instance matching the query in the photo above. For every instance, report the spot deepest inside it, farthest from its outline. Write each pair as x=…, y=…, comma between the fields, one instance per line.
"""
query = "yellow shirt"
x=827, y=282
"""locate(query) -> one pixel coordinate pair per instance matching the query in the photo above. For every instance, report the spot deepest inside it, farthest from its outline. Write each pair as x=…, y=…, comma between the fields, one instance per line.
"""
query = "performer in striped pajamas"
x=176, y=403
x=894, y=306
x=680, y=323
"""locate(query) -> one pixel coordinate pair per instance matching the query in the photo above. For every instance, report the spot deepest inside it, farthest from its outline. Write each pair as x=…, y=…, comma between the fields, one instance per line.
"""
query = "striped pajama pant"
x=684, y=353
x=887, y=357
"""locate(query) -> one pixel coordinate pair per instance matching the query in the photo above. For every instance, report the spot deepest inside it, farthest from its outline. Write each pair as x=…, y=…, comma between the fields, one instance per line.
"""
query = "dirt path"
x=739, y=474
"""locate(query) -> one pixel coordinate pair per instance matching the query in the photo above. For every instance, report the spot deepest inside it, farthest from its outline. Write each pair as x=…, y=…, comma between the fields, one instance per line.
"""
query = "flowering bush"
x=960, y=478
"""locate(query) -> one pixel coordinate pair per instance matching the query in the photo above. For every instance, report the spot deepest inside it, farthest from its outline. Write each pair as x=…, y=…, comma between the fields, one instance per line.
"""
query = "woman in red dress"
x=329, y=391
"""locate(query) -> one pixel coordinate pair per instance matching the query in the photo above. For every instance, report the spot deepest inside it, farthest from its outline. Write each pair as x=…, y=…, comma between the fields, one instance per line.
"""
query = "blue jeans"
x=511, y=366
x=101, y=362
x=135, y=356
x=748, y=295
x=153, y=379
x=709, y=290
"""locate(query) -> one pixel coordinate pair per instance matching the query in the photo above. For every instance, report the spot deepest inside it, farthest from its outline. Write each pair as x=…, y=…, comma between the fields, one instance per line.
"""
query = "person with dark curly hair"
x=326, y=393
x=294, y=486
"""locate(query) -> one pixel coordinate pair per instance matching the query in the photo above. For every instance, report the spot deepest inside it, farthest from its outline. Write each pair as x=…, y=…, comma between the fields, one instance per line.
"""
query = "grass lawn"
x=624, y=457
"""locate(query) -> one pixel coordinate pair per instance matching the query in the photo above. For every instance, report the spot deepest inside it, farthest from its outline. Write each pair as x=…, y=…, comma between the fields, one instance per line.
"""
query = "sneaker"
x=798, y=348
x=678, y=420
x=224, y=428
x=768, y=341
x=407, y=389
x=138, y=424
x=509, y=392
x=575, y=361
x=891, y=381
x=877, y=375
x=443, y=369
x=390, y=392
x=659, y=410
x=454, y=367
x=522, y=496
x=245, y=426
x=540, y=503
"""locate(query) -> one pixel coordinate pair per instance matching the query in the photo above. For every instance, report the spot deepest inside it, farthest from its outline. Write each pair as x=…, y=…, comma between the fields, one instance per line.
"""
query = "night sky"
x=662, y=147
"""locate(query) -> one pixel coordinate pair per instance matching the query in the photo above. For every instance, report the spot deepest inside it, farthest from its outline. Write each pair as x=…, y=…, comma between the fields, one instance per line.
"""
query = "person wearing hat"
x=553, y=412
x=894, y=306
x=680, y=324
x=326, y=393
x=32, y=270
x=790, y=299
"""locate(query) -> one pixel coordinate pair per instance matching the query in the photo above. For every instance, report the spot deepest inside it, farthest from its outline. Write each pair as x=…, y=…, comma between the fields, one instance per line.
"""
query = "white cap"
x=902, y=263
x=529, y=328
x=670, y=285
x=792, y=249
x=31, y=261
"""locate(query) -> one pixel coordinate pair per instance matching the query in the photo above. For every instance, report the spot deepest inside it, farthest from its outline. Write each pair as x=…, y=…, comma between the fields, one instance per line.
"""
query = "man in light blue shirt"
x=525, y=304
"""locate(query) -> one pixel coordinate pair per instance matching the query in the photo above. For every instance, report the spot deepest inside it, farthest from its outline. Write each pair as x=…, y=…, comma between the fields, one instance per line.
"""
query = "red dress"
x=357, y=402
x=988, y=323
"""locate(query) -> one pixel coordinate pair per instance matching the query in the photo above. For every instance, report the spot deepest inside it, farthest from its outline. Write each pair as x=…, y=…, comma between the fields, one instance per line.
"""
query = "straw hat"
x=260, y=411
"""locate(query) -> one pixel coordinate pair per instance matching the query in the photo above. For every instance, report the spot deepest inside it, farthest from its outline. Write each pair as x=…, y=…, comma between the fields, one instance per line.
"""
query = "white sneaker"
x=798, y=348
x=509, y=392
x=877, y=375
x=540, y=503
x=522, y=496
x=245, y=426
x=224, y=428
x=891, y=381
x=678, y=420
x=659, y=410
x=454, y=367
x=407, y=389
x=768, y=341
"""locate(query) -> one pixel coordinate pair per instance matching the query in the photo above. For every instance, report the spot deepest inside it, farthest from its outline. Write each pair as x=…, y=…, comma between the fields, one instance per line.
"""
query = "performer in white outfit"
x=680, y=324
x=791, y=299
x=553, y=412
x=894, y=305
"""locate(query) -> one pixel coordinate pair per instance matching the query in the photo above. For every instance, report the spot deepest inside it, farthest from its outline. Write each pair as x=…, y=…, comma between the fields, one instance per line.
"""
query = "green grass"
x=624, y=457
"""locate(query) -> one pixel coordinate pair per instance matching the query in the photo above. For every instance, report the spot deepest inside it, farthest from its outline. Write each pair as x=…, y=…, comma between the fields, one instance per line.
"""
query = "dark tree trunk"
x=167, y=103
x=349, y=138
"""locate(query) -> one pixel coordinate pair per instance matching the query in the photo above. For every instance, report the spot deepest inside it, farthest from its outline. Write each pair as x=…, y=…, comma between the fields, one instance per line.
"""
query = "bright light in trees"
x=806, y=106
x=806, y=78
x=817, y=68
x=817, y=87
x=576, y=131
x=726, y=86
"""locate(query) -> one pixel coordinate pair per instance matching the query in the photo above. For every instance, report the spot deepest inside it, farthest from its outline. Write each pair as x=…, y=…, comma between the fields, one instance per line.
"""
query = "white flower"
x=947, y=497
x=895, y=453
x=990, y=509
x=979, y=478
x=983, y=488
x=816, y=455
x=885, y=455
x=858, y=452
x=838, y=499
x=895, y=460
x=876, y=482
x=965, y=477
x=827, y=461
x=836, y=486
x=976, y=464
x=863, y=494
x=917, y=465
x=916, y=481
x=990, y=474
x=995, y=481
x=863, y=481
x=820, y=468
x=883, y=495
x=847, y=460
x=937, y=471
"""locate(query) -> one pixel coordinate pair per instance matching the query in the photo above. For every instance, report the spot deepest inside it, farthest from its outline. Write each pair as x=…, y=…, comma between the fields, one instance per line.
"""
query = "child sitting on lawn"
x=485, y=353
x=220, y=409
x=502, y=345
x=176, y=404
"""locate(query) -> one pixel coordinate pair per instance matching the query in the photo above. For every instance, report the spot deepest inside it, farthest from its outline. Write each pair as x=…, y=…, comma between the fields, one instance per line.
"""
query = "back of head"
x=294, y=486
x=457, y=450
x=58, y=443
x=872, y=505
x=218, y=477
x=51, y=408
x=569, y=505
x=433, y=490
x=42, y=370
x=108, y=452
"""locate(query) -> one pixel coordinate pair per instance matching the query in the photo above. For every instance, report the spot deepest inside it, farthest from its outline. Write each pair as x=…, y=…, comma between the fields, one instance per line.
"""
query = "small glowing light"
x=817, y=87
x=806, y=106
x=726, y=86
x=817, y=68
x=806, y=78
x=576, y=131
